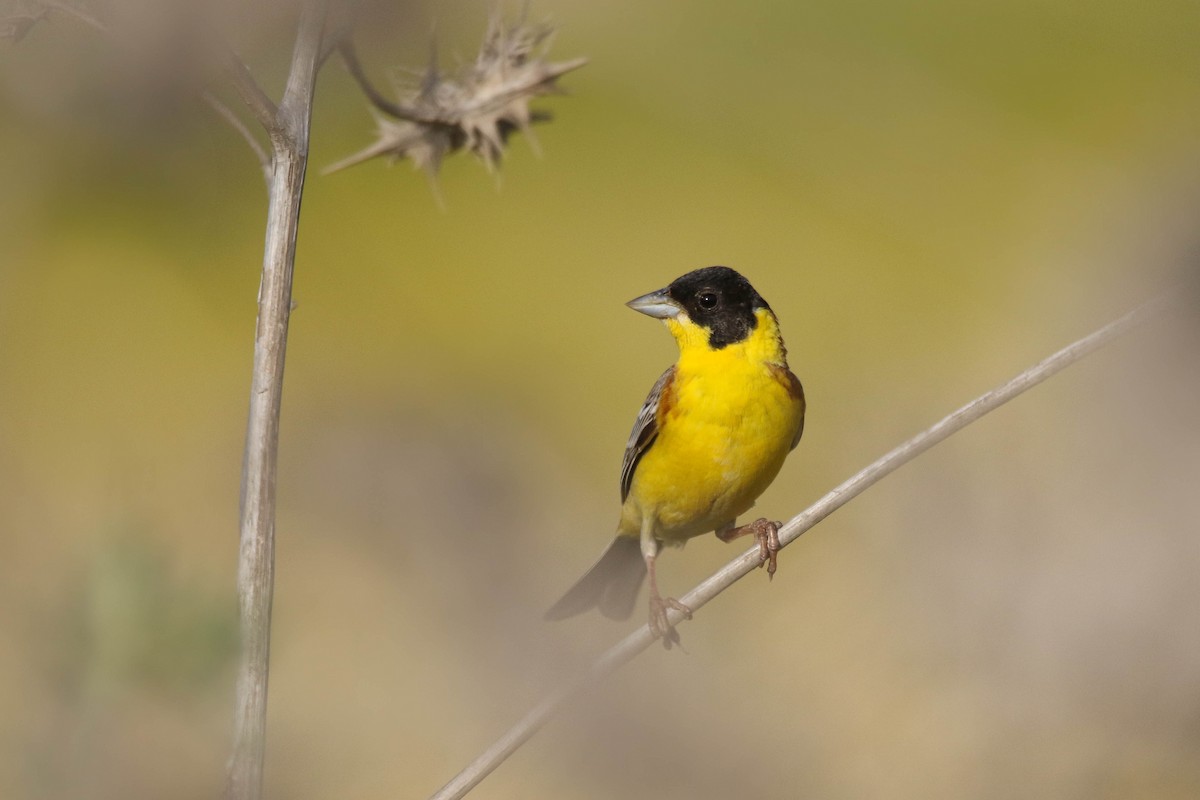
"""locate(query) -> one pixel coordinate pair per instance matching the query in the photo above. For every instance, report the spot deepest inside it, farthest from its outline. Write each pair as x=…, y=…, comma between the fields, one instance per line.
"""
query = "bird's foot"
x=766, y=533
x=660, y=626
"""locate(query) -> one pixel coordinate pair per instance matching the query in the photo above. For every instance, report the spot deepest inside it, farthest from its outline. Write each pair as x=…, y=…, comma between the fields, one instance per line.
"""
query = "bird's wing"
x=792, y=384
x=645, y=430
x=797, y=391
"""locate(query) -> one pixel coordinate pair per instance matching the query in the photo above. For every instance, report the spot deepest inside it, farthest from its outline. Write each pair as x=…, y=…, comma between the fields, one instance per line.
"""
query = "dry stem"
x=288, y=127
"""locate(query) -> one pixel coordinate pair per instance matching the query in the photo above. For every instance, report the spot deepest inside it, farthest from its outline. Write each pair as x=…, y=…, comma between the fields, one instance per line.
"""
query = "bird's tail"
x=612, y=584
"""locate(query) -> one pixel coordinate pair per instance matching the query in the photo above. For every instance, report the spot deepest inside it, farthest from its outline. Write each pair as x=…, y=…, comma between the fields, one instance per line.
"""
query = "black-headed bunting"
x=710, y=438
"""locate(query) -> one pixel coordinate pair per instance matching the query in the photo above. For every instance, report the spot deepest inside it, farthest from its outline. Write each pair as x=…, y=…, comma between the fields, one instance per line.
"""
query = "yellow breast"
x=724, y=430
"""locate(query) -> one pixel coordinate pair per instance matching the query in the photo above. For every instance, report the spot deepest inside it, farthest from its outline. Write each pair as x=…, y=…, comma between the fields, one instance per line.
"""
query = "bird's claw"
x=660, y=626
x=766, y=533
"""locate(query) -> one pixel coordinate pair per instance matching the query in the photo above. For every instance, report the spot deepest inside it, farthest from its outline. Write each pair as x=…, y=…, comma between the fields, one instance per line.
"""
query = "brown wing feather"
x=645, y=430
x=789, y=379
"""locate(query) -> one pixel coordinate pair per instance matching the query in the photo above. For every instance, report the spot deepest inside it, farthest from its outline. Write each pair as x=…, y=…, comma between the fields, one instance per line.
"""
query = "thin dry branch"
x=747, y=562
x=338, y=28
x=256, y=553
x=226, y=113
x=261, y=106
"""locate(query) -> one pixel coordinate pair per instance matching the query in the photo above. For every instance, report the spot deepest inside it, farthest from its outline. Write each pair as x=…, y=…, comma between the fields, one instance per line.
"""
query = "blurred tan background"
x=931, y=195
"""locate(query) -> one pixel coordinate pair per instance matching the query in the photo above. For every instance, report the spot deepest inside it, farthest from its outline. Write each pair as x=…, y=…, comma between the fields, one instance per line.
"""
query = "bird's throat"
x=762, y=345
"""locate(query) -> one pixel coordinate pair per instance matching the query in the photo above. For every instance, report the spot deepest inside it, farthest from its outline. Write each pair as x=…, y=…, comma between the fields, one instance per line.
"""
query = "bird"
x=711, y=436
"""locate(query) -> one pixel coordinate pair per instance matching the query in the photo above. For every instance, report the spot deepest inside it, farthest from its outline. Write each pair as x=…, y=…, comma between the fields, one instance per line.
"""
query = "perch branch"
x=640, y=639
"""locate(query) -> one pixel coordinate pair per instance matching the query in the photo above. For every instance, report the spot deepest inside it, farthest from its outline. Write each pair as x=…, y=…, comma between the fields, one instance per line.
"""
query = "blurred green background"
x=932, y=195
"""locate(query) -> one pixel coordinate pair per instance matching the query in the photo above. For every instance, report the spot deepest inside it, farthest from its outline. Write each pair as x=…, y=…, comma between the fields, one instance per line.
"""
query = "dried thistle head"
x=477, y=108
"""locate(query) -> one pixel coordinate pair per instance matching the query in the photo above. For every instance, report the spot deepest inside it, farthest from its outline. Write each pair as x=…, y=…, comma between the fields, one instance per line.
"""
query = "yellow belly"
x=720, y=444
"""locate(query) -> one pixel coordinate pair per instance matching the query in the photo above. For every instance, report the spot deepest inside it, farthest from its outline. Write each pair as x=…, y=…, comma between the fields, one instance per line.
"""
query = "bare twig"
x=252, y=95
x=640, y=639
x=338, y=28
x=226, y=113
x=256, y=557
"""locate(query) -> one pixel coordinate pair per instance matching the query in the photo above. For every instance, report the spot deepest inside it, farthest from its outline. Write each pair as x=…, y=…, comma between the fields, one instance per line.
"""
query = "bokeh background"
x=932, y=195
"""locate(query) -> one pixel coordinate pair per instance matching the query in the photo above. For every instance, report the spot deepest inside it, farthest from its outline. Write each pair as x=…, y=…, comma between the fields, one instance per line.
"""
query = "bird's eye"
x=707, y=300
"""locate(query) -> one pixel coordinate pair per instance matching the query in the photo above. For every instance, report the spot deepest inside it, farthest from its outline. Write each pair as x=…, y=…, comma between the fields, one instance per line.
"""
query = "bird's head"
x=715, y=306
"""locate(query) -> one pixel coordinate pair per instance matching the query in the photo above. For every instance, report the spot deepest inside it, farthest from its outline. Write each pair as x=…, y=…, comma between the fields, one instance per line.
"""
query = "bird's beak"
x=656, y=304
